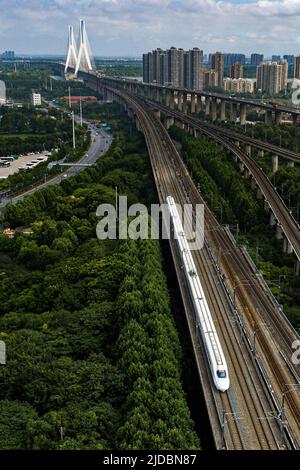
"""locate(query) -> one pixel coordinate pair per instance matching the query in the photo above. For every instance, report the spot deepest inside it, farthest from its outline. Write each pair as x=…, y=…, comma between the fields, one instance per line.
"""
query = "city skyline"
x=119, y=28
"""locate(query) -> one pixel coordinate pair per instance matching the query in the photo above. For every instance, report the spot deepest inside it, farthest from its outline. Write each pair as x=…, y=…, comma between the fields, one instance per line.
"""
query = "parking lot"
x=22, y=162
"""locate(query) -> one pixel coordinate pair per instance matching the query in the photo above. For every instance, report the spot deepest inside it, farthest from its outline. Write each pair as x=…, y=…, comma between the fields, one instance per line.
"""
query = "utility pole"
x=226, y=418
x=80, y=105
x=257, y=248
x=2, y=348
x=223, y=427
x=254, y=338
x=70, y=104
x=117, y=199
x=73, y=126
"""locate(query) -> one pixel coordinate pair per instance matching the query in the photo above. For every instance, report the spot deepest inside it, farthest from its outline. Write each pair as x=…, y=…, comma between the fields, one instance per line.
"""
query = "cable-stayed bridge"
x=79, y=56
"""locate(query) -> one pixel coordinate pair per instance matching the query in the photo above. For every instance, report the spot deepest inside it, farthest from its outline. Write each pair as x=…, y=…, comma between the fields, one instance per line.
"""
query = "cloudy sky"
x=130, y=27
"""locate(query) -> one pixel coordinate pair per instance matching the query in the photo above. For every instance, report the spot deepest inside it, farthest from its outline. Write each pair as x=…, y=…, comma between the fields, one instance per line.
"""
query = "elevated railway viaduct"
x=243, y=308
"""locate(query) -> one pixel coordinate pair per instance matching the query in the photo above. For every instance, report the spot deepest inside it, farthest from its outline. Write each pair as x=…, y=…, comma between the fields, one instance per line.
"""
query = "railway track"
x=274, y=149
x=289, y=225
x=257, y=309
x=244, y=427
x=240, y=438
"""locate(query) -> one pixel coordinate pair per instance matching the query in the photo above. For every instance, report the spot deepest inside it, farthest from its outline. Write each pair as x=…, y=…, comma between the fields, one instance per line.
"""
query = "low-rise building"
x=74, y=100
x=239, y=85
x=36, y=99
x=210, y=79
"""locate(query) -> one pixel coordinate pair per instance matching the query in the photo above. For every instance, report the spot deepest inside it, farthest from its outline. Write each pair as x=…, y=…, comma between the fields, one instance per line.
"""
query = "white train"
x=214, y=353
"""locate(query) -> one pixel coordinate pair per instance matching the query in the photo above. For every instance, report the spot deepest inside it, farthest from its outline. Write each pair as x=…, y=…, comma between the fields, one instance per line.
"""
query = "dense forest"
x=94, y=360
x=234, y=203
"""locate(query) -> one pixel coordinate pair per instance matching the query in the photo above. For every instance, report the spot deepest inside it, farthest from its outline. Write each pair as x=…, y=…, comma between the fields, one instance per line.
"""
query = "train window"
x=221, y=374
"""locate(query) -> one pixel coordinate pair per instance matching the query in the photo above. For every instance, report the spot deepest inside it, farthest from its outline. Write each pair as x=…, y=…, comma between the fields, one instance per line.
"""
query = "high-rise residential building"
x=210, y=79
x=181, y=67
x=256, y=59
x=146, y=68
x=156, y=65
x=175, y=67
x=196, y=69
x=297, y=67
x=151, y=70
x=232, y=58
x=236, y=70
x=283, y=74
x=217, y=64
x=289, y=58
x=164, y=69
x=187, y=69
x=36, y=99
x=239, y=85
x=272, y=77
x=276, y=58
x=8, y=55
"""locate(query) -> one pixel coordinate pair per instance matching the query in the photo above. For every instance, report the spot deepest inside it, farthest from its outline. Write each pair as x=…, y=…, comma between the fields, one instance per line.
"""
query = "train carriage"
x=213, y=349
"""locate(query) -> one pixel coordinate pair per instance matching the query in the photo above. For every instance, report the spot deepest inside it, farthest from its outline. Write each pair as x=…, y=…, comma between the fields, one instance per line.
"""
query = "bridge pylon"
x=71, y=60
x=85, y=60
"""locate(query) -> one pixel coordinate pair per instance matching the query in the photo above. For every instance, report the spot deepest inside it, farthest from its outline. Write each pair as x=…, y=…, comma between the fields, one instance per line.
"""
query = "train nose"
x=223, y=385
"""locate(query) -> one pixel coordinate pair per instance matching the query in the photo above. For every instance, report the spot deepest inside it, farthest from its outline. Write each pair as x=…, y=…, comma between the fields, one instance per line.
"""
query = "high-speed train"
x=214, y=353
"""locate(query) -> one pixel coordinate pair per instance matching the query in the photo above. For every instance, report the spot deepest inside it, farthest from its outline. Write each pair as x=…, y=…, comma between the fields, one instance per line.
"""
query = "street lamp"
x=73, y=127
x=278, y=281
x=2, y=353
x=222, y=252
x=287, y=388
x=80, y=107
x=256, y=328
x=219, y=206
x=271, y=415
x=231, y=417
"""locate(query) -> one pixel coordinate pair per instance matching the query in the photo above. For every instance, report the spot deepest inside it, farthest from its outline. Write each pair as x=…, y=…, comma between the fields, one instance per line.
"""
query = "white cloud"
x=132, y=26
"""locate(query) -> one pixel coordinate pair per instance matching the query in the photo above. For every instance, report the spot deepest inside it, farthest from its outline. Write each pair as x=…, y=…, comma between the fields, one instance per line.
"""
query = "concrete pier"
x=274, y=163
x=223, y=110
x=242, y=114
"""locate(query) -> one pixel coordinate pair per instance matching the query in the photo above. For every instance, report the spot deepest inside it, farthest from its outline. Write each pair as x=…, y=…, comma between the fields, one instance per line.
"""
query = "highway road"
x=101, y=142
